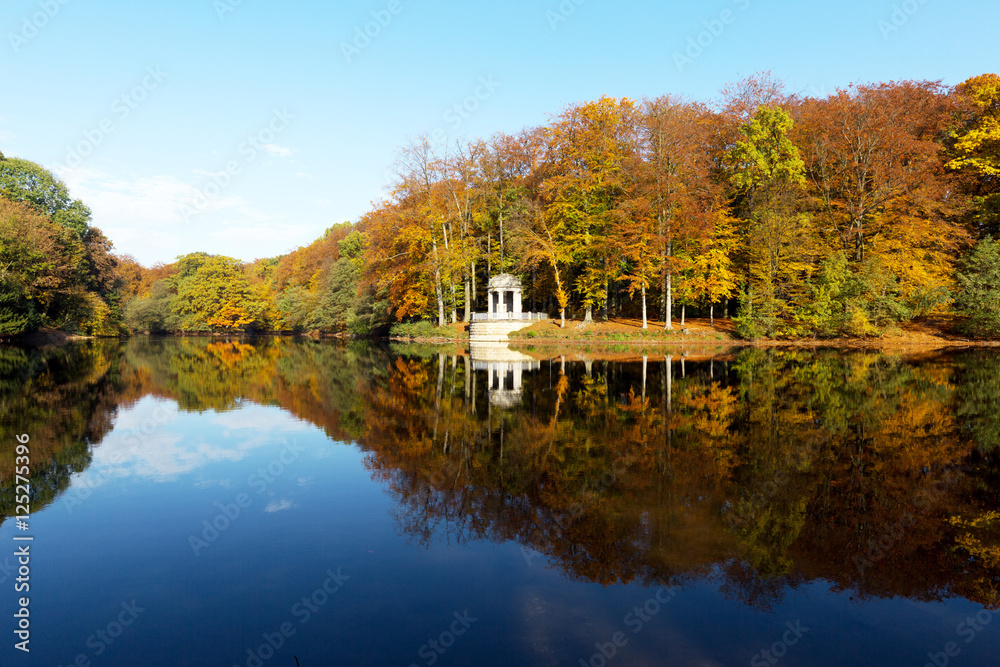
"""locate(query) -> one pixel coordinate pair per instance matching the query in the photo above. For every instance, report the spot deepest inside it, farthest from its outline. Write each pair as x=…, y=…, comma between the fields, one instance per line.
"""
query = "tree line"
x=848, y=214
x=843, y=215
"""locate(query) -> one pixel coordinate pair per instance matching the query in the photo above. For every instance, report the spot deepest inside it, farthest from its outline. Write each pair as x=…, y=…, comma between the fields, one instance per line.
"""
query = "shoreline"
x=924, y=336
x=841, y=343
x=45, y=338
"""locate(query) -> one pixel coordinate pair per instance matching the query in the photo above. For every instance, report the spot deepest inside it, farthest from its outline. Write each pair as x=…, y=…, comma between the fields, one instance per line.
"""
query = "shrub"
x=421, y=329
x=357, y=326
x=760, y=314
x=861, y=301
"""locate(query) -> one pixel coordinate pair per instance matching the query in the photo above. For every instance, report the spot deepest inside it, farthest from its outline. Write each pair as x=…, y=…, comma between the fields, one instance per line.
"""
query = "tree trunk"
x=472, y=269
x=608, y=296
x=468, y=301
x=454, y=303
x=534, y=292
x=589, y=317
x=663, y=293
x=451, y=276
x=711, y=315
x=645, y=322
x=560, y=295
x=501, y=241
x=438, y=291
x=670, y=292
x=683, y=314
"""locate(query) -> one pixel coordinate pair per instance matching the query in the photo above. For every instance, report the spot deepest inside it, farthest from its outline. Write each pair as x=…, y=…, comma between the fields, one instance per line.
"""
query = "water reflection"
x=760, y=470
x=505, y=369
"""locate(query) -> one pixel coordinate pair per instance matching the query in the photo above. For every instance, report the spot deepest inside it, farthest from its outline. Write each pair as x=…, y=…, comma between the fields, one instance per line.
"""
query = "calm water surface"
x=243, y=503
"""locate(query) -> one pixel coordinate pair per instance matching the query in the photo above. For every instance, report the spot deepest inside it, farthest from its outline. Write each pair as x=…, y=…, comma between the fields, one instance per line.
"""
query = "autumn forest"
x=798, y=216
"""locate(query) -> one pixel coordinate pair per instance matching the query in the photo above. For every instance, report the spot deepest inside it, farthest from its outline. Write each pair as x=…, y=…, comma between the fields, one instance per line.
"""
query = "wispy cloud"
x=278, y=506
x=154, y=199
x=280, y=151
x=143, y=215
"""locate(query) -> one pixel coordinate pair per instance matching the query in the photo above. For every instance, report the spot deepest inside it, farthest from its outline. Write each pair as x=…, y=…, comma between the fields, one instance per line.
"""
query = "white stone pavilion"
x=505, y=298
x=504, y=314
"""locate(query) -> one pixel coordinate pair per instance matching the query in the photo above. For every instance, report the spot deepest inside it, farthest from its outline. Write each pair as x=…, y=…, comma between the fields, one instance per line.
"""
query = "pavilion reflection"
x=505, y=369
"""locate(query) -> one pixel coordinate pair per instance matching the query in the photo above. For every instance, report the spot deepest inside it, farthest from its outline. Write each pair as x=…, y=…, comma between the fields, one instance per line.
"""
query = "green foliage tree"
x=28, y=182
x=978, y=298
x=298, y=307
x=152, y=313
x=61, y=271
x=340, y=303
x=767, y=174
x=17, y=312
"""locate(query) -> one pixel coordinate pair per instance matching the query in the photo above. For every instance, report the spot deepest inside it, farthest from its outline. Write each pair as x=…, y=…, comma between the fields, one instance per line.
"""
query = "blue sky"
x=244, y=127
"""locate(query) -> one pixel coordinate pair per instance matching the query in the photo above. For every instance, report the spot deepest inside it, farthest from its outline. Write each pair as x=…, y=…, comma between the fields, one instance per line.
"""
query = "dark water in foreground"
x=223, y=503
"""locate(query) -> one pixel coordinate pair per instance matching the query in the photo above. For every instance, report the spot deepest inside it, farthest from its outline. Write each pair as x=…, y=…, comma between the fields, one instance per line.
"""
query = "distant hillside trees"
x=307, y=290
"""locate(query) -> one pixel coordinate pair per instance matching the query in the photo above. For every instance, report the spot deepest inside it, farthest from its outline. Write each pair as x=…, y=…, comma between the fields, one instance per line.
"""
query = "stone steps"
x=495, y=331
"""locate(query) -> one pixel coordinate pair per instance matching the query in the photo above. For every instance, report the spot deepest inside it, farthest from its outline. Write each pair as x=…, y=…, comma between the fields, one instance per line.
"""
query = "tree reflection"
x=761, y=470
x=65, y=400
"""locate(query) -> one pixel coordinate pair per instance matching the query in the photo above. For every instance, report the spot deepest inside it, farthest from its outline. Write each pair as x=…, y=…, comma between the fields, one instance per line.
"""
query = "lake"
x=244, y=502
